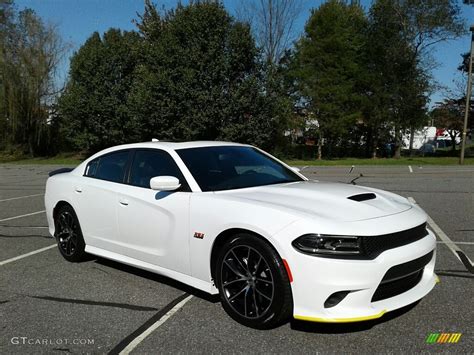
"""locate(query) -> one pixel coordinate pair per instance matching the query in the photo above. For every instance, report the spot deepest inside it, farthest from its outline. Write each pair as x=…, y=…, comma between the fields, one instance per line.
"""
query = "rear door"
x=97, y=199
x=154, y=225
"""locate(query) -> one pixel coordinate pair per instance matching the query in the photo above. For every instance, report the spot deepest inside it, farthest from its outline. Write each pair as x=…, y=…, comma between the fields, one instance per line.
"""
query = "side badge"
x=198, y=235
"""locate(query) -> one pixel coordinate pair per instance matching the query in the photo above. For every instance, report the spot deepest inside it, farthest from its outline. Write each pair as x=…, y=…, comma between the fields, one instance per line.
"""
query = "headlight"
x=328, y=245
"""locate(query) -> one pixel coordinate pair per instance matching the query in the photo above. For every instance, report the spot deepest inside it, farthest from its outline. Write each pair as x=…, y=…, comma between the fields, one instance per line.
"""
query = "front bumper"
x=315, y=279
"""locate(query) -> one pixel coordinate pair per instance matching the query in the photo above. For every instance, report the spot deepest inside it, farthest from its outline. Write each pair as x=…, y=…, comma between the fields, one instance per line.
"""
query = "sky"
x=78, y=19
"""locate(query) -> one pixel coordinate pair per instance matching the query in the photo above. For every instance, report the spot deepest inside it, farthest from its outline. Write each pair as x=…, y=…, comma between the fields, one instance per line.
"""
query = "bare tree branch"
x=273, y=23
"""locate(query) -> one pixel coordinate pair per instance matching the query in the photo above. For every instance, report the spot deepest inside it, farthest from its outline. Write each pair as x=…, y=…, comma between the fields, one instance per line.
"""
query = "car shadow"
x=297, y=325
x=158, y=278
x=340, y=328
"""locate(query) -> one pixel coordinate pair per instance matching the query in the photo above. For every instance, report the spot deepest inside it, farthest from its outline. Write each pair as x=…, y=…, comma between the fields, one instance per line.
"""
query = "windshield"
x=234, y=167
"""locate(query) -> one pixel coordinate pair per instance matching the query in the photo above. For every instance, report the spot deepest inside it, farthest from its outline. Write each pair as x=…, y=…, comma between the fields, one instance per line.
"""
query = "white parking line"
x=154, y=326
x=460, y=243
x=18, y=198
x=439, y=232
x=23, y=227
x=26, y=255
x=21, y=216
x=409, y=168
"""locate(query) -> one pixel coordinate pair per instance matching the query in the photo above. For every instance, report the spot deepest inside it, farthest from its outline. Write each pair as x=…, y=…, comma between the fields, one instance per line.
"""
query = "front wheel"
x=253, y=283
x=69, y=235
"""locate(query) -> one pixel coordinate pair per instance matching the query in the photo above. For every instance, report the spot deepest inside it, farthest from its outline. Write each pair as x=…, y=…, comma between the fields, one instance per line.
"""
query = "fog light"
x=335, y=298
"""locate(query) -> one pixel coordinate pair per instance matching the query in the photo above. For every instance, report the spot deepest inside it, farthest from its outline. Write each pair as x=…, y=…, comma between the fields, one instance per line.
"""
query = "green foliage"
x=195, y=73
x=200, y=78
x=29, y=54
x=396, y=82
x=329, y=66
x=93, y=108
x=450, y=116
x=192, y=73
x=400, y=35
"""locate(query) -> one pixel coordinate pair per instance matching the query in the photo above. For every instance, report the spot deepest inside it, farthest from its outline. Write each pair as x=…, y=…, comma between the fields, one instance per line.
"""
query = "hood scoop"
x=362, y=197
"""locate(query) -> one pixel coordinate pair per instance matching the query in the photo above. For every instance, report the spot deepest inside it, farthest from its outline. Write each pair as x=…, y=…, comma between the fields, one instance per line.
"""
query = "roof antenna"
x=155, y=140
x=354, y=179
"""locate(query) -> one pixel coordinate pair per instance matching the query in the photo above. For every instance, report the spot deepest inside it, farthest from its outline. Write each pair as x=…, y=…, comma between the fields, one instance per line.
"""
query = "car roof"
x=155, y=144
x=176, y=145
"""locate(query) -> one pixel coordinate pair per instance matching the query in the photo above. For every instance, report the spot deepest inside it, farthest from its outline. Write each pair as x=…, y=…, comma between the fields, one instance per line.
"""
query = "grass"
x=75, y=159
x=61, y=159
x=383, y=161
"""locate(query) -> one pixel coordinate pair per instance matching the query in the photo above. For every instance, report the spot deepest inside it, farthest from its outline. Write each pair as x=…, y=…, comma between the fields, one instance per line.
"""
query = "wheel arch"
x=57, y=207
x=227, y=235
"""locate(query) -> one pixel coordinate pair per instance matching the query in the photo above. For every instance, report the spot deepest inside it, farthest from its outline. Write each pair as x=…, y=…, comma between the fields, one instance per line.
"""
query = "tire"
x=253, y=283
x=68, y=235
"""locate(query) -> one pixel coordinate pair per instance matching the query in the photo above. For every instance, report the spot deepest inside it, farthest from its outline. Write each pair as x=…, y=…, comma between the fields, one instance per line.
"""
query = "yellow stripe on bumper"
x=340, y=320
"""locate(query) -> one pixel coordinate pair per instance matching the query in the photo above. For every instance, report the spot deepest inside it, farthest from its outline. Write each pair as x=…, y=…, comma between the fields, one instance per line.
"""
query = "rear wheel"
x=253, y=283
x=69, y=235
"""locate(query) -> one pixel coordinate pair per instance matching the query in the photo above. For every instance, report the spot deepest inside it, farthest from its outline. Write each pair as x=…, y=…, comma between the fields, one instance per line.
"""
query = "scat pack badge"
x=198, y=235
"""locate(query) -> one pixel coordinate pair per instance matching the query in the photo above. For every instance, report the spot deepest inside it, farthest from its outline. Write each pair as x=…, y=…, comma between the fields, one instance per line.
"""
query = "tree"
x=93, y=109
x=425, y=23
x=199, y=78
x=396, y=83
x=402, y=32
x=29, y=56
x=273, y=23
x=329, y=67
x=450, y=115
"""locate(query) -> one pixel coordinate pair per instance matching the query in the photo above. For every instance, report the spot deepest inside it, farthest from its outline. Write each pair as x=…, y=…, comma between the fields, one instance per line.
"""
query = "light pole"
x=468, y=99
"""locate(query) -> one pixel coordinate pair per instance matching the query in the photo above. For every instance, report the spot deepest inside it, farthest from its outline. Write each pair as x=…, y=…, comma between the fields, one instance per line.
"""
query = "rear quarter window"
x=108, y=167
x=92, y=168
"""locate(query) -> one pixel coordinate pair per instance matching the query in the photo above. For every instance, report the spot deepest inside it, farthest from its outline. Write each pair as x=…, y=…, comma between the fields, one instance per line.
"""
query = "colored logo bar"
x=440, y=338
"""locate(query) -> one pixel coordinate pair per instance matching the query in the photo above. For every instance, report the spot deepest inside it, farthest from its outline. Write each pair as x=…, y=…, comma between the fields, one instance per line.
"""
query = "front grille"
x=401, y=278
x=372, y=246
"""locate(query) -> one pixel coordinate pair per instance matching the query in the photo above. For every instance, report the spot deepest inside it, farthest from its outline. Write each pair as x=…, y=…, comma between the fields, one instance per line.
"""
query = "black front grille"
x=372, y=246
x=401, y=278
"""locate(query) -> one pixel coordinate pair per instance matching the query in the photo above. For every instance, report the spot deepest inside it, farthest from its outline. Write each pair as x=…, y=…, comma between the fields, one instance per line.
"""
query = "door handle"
x=78, y=189
x=123, y=202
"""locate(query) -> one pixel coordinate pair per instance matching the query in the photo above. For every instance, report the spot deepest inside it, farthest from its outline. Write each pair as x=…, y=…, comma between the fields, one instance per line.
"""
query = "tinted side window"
x=234, y=167
x=150, y=163
x=112, y=166
x=91, y=168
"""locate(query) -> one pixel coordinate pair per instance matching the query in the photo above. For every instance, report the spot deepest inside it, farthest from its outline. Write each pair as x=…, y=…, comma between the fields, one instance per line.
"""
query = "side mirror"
x=164, y=183
x=295, y=169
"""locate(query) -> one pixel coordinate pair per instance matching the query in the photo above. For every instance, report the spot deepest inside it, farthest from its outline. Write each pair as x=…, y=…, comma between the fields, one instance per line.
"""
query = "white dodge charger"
x=230, y=219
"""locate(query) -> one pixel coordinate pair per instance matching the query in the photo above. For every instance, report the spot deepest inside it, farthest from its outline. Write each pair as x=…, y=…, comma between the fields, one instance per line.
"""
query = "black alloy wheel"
x=253, y=283
x=69, y=235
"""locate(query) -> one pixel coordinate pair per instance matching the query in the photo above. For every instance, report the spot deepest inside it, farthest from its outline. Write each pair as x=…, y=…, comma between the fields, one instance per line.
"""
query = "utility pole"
x=468, y=99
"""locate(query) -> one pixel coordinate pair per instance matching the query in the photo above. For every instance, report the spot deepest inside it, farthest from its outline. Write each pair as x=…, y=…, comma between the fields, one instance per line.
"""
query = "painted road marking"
x=26, y=255
x=134, y=339
x=460, y=243
x=18, y=198
x=409, y=168
x=447, y=241
x=21, y=216
x=23, y=227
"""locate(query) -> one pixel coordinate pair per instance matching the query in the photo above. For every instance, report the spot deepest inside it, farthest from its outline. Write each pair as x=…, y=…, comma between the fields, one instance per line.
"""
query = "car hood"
x=325, y=200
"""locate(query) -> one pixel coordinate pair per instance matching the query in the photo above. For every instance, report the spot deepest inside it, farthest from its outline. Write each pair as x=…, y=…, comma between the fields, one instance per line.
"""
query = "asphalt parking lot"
x=48, y=305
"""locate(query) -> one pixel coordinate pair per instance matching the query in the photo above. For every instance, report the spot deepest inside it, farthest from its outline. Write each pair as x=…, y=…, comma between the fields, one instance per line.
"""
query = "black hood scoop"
x=362, y=197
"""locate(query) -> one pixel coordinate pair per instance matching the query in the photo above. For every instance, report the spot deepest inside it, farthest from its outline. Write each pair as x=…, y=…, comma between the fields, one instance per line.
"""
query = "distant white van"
x=421, y=137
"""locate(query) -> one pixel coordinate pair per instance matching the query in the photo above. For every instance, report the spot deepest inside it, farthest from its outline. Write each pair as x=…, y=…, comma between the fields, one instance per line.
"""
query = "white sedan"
x=230, y=219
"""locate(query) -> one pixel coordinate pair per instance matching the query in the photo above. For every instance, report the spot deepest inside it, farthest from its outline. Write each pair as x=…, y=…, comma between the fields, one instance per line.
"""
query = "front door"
x=154, y=225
